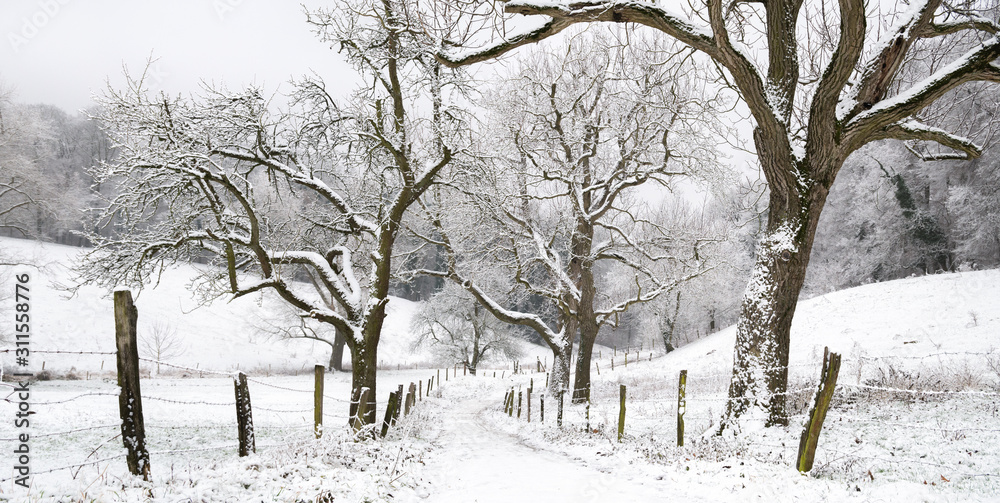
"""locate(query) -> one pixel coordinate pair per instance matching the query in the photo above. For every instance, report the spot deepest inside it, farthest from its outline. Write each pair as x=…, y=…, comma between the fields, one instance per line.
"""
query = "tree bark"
x=365, y=358
x=337, y=353
x=760, y=366
x=559, y=375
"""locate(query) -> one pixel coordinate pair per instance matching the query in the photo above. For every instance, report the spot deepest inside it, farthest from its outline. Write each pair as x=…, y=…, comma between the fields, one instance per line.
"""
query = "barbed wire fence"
x=180, y=419
x=956, y=400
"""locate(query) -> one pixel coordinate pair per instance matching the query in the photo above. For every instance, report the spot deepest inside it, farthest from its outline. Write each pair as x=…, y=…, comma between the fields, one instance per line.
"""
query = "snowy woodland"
x=608, y=250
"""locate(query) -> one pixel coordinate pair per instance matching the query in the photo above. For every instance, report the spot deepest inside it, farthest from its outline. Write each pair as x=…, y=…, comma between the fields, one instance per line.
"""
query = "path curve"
x=473, y=463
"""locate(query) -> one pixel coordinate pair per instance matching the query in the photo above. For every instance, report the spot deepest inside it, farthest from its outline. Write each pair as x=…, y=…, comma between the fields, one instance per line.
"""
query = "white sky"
x=64, y=51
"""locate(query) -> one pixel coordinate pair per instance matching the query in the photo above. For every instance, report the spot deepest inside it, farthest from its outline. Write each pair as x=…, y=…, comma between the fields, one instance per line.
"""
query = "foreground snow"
x=459, y=447
x=915, y=418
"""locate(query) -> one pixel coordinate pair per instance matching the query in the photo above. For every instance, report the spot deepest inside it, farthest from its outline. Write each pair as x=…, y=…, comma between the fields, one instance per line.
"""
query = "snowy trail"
x=474, y=463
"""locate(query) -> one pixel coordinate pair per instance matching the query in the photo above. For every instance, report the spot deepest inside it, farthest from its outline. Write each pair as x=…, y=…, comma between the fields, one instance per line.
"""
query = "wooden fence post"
x=621, y=412
x=130, y=398
x=399, y=404
x=559, y=413
x=824, y=395
x=519, y=397
x=390, y=412
x=529, y=405
x=681, y=406
x=541, y=407
x=244, y=415
x=318, y=401
x=411, y=398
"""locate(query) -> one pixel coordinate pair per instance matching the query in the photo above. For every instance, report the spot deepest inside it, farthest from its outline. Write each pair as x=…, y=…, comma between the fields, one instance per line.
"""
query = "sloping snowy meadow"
x=916, y=416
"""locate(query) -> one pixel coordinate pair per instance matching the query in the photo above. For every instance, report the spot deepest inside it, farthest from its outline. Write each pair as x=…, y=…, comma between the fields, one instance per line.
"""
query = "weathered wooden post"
x=681, y=406
x=420, y=390
x=519, y=397
x=559, y=413
x=824, y=395
x=411, y=398
x=318, y=400
x=439, y=376
x=390, y=412
x=130, y=398
x=244, y=415
x=598, y=368
x=541, y=408
x=399, y=404
x=621, y=412
x=529, y=405
x=465, y=368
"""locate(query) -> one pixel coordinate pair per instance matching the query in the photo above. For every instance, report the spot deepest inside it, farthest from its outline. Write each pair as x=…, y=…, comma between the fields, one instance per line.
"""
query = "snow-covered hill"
x=906, y=319
x=938, y=334
x=219, y=336
x=911, y=317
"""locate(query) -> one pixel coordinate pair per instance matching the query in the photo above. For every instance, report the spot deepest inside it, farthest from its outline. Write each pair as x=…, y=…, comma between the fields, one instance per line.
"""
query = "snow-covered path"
x=474, y=463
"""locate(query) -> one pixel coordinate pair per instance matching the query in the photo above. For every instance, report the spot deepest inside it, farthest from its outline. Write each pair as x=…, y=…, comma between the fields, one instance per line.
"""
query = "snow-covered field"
x=916, y=417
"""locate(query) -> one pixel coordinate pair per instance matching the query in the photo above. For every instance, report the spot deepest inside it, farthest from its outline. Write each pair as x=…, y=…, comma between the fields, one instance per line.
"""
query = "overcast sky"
x=63, y=51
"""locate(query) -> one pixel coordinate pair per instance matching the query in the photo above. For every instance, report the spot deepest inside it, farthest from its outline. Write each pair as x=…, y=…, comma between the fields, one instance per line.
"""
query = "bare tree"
x=459, y=330
x=271, y=198
x=809, y=116
x=160, y=342
x=579, y=131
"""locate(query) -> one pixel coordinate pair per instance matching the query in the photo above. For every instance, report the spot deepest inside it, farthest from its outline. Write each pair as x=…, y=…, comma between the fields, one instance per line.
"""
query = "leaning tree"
x=855, y=85
x=272, y=199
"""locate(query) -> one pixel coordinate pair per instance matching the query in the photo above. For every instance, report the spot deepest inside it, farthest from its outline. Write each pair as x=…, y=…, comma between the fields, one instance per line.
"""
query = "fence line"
x=919, y=391
x=182, y=367
x=70, y=467
x=67, y=432
x=262, y=383
x=923, y=357
x=60, y=352
x=853, y=419
x=188, y=402
x=96, y=393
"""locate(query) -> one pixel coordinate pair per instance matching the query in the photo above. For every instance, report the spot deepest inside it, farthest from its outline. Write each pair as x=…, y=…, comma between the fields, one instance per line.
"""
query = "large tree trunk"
x=476, y=334
x=588, y=336
x=760, y=368
x=559, y=375
x=364, y=357
x=337, y=354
